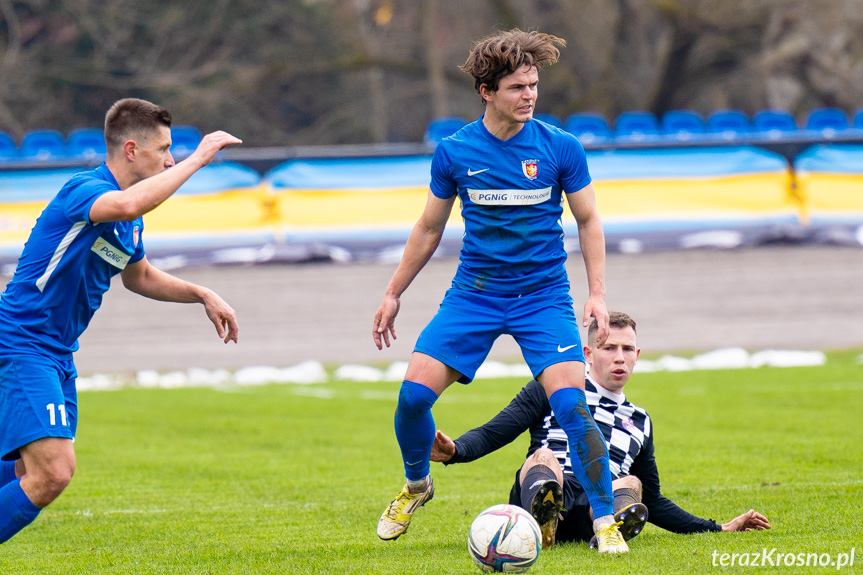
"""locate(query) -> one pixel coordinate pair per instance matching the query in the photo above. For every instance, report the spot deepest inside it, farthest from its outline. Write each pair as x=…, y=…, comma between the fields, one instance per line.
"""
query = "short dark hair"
x=132, y=117
x=616, y=319
x=504, y=52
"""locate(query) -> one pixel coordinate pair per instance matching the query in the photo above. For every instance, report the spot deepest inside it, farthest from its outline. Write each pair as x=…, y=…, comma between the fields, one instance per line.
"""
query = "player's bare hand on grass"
x=212, y=144
x=747, y=522
x=385, y=319
x=443, y=448
x=595, y=307
x=223, y=317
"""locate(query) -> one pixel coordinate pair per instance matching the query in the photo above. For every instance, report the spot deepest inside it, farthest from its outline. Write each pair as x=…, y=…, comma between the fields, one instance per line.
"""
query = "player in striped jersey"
x=628, y=433
x=89, y=232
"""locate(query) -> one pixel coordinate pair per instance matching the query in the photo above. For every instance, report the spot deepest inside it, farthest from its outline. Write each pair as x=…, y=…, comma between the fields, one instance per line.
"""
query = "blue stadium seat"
x=86, y=144
x=636, y=126
x=589, y=128
x=858, y=119
x=775, y=124
x=728, y=125
x=42, y=146
x=549, y=119
x=8, y=149
x=440, y=128
x=682, y=125
x=184, y=140
x=827, y=122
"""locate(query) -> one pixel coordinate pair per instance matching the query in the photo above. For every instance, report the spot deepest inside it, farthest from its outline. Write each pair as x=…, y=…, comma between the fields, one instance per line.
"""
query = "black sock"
x=533, y=481
x=624, y=497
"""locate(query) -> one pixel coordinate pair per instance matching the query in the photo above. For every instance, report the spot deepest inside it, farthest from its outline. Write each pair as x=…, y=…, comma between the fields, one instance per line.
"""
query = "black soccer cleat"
x=633, y=517
x=545, y=507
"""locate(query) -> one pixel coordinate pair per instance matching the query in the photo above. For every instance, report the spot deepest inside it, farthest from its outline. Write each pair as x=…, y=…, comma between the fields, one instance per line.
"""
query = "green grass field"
x=292, y=478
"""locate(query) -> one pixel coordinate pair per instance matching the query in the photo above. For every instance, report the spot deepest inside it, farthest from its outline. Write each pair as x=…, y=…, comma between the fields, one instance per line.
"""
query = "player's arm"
x=663, y=512
x=525, y=410
x=421, y=245
x=148, y=281
x=146, y=195
x=591, y=238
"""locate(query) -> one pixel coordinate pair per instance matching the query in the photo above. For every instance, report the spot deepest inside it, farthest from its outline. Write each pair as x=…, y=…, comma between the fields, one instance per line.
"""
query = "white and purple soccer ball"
x=504, y=539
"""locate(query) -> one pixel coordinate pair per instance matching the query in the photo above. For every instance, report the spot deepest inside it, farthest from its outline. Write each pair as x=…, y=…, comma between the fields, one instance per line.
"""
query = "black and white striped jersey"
x=624, y=426
x=628, y=434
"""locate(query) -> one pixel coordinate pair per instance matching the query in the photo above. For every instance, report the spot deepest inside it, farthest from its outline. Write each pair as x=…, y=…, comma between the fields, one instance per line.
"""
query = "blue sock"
x=16, y=510
x=415, y=428
x=7, y=472
x=587, y=449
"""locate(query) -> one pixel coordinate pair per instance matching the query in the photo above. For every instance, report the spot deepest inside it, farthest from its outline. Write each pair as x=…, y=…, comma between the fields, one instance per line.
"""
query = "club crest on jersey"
x=136, y=235
x=628, y=424
x=530, y=168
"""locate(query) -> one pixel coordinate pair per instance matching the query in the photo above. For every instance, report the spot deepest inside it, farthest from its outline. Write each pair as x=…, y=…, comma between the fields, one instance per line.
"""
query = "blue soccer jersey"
x=511, y=202
x=65, y=268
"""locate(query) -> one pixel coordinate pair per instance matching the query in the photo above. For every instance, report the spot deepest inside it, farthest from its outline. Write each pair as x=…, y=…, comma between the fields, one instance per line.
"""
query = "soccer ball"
x=504, y=539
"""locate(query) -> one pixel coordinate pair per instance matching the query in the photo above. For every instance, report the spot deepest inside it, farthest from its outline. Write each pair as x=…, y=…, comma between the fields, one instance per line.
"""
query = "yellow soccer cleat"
x=609, y=539
x=397, y=516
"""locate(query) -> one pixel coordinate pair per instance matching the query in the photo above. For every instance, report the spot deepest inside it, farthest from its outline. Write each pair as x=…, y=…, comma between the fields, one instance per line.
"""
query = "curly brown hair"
x=504, y=52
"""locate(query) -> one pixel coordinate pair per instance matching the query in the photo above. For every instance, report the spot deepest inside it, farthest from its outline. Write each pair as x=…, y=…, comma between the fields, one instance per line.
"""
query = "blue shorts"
x=468, y=322
x=37, y=399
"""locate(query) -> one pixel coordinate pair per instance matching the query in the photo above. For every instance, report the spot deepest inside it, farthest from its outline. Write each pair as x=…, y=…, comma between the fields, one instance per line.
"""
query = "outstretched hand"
x=384, y=324
x=747, y=522
x=212, y=144
x=443, y=448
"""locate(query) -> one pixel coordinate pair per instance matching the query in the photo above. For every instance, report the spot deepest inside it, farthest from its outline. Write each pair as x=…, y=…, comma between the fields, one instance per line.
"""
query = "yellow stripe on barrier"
x=746, y=196
x=223, y=212
x=840, y=194
x=354, y=208
x=16, y=221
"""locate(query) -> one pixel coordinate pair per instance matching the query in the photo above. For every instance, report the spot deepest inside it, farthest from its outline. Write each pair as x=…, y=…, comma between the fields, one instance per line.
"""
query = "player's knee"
x=49, y=481
x=54, y=484
x=628, y=482
x=542, y=456
x=414, y=399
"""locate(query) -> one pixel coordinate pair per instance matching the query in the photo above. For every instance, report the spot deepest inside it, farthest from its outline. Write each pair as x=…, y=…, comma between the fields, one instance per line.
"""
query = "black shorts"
x=576, y=524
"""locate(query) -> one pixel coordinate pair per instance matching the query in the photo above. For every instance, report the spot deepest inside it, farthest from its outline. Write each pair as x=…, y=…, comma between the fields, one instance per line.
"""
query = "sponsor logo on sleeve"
x=111, y=254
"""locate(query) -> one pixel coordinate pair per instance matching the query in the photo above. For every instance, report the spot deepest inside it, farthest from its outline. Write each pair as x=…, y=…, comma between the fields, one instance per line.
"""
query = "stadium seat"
x=8, y=149
x=184, y=140
x=549, y=119
x=589, y=128
x=636, y=126
x=775, y=124
x=827, y=122
x=682, y=125
x=728, y=125
x=440, y=128
x=858, y=119
x=86, y=144
x=42, y=146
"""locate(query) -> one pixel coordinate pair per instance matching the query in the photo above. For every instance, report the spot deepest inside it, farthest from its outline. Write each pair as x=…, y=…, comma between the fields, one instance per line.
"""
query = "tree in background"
x=308, y=72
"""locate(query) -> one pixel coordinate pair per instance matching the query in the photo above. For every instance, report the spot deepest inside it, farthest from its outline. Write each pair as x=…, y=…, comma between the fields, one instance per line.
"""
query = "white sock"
x=601, y=522
x=418, y=486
